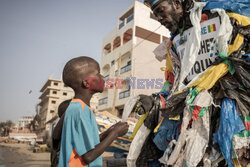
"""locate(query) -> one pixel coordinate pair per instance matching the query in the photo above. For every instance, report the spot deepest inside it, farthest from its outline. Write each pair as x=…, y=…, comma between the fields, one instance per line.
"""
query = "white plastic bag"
x=197, y=140
x=181, y=140
x=128, y=107
x=136, y=145
x=193, y=42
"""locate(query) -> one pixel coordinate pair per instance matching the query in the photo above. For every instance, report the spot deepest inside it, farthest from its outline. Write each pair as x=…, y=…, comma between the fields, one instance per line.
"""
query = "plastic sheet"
x=138, y=125
x=210, y=77
x=242, y=139
x=200, y=104
x=167, y=131
x=238, y=6
x=174, y=105
x=197, y=140
x=225, y=31
x=241, y=20
x=230, y=124
x=128, y=107
x=167, y=152
x=242, y=69
x=144, y=104
x=153, y=155
x=136, y=145
x=191, y=49
x=182, y=137
x=243, y=155
x=152, y=119
x=232, y=89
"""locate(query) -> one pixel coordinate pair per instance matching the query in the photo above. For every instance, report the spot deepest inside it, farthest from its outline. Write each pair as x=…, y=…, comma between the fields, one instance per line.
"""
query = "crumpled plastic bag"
x=232, y=89
x=239, y=39
x=230, y=124
x=146, y=156
x=136, y=145
x=128, y=107
x=210, y=77
x=167, y=152
x=138, y=124
x=203, y=99
x=193, y=42
x=238, y=6
x=197, y=140
x=200, y=104
x=182, y=137
x=174, y=105
x=167, y=131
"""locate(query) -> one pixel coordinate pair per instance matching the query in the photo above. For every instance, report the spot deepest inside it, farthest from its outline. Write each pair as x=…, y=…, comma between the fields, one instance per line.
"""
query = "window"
x=121, y=24
x=64, y=94
x=54, y=92
x=116, y=73
x=124, y=94
x=130, y=18
x=126, y=68
x=53, y=102
x=103, y=101
x=52, y=111
x=113, y=62
x=56, y=83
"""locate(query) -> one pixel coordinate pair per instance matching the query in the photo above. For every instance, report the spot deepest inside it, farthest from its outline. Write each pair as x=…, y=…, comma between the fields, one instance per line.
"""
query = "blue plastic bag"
x=167, y=131
x=230, y=125
x=237, y=6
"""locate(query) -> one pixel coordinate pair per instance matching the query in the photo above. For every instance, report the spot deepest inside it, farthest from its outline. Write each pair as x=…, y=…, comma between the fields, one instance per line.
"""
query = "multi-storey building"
x=127, y=52
x=24, y=121
x=54, y=92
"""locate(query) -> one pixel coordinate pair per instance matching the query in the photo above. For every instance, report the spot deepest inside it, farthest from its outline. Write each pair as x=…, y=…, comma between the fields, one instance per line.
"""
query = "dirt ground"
x=21, y=155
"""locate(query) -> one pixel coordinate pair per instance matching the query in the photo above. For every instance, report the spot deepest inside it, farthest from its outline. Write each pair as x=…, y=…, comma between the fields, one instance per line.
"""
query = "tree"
x=2, y=126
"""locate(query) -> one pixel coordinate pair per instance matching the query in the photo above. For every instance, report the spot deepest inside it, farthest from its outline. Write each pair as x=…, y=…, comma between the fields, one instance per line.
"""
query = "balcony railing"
x=124, y=94
x=125, y=69
x=121, y=24
x=130, y=18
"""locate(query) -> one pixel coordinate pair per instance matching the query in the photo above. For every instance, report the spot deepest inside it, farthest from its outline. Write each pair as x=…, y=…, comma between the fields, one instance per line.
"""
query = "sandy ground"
x=21, y=155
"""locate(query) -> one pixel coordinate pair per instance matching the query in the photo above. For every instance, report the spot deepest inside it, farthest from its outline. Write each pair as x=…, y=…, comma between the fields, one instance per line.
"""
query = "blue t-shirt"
x=79, y=135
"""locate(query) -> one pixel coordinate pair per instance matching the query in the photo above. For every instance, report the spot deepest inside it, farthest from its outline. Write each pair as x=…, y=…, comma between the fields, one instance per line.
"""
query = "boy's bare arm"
x=118, y=130
x=105, y=134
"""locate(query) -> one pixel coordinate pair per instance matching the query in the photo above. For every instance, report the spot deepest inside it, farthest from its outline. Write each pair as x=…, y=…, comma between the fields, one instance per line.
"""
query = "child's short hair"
x=73, y=69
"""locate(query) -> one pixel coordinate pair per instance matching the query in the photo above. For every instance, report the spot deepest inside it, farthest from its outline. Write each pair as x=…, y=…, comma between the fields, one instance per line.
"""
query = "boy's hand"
x=120, y=128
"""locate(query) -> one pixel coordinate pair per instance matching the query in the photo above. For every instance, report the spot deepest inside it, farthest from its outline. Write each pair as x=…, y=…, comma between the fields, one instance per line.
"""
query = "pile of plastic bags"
x=204, y=121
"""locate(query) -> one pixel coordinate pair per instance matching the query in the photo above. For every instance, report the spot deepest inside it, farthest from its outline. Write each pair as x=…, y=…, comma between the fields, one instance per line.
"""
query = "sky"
x=37, y=38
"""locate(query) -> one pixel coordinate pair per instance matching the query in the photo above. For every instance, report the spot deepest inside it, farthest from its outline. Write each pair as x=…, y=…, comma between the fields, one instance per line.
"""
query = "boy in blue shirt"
x=81, y=144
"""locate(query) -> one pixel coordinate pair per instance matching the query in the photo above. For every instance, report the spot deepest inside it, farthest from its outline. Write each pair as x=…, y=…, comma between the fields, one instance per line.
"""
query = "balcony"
x=130, y=18
x=124, y=94
x=121, y=24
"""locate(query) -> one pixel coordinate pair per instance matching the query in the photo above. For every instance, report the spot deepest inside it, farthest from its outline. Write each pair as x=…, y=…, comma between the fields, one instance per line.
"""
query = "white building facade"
x=24, y=121
x=53, y=92
x=127, y=62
